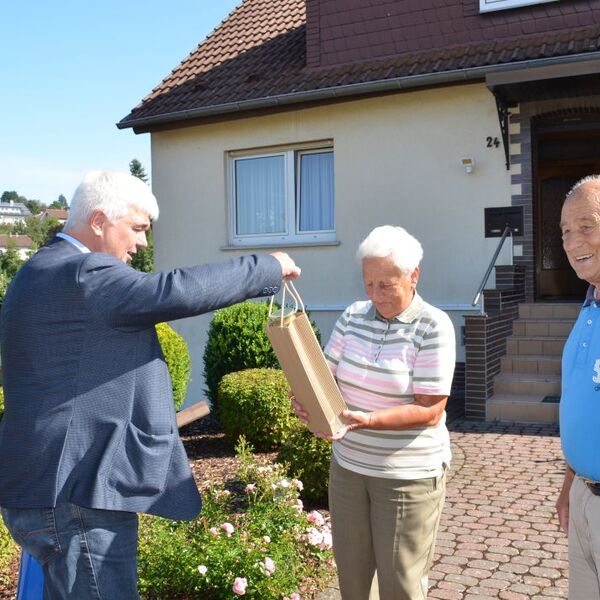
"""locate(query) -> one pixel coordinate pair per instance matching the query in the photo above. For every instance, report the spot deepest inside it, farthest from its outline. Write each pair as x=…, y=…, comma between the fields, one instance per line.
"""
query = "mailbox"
x=500, y=217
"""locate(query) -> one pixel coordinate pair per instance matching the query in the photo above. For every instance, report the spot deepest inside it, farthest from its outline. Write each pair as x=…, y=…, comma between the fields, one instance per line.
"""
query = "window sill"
x=279, y=245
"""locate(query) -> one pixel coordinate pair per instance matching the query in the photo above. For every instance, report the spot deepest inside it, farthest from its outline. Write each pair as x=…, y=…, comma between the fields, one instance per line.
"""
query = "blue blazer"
x=89, y=414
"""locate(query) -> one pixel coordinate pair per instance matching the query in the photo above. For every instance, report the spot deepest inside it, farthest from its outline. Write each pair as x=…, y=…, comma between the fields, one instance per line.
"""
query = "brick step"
x=521, y=408
x=549, y=310
x=519, y=344
x=543, y=327
x=531, y=363
x=527, y=383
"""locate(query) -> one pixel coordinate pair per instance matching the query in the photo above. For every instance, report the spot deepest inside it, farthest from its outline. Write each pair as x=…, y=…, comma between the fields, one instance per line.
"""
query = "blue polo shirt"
x=580, y=399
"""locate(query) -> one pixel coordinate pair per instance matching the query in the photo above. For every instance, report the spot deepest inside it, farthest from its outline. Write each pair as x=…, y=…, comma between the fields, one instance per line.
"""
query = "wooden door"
x=563, y=159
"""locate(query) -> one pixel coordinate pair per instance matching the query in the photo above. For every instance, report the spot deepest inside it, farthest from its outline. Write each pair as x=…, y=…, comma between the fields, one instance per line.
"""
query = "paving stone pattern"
x=499, y=536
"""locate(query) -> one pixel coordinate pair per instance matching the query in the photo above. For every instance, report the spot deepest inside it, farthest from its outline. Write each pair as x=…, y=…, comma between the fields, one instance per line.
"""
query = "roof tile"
x=260, y=50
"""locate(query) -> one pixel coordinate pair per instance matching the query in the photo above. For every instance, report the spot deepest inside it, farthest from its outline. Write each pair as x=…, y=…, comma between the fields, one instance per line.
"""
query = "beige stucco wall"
x=397, y=161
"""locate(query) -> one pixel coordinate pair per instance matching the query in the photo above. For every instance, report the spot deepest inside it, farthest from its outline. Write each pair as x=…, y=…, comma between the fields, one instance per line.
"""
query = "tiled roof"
x=20, y=241
x=56, y=213
x=257, y=58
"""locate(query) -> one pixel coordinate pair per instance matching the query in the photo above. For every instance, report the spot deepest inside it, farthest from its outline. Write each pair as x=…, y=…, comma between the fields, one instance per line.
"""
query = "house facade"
x=22, y=244
x=60, y=214
x=301, y=125
x=13, y=212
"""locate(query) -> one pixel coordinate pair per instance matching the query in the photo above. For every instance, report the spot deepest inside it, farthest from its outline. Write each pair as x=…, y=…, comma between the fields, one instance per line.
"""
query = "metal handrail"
x=507, y=231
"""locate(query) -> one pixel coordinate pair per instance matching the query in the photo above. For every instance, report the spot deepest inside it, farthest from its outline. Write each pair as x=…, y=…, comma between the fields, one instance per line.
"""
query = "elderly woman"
x=393, y=357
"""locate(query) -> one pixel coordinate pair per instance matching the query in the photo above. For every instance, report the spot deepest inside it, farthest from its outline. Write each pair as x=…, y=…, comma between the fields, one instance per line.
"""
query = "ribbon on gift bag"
x=303, y=362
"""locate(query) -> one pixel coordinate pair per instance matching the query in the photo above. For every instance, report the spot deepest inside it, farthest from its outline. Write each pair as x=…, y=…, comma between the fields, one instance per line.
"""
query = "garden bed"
x=212, y=459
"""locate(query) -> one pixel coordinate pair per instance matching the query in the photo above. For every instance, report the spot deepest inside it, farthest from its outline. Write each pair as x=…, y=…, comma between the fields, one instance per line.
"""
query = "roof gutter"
x=354, y=89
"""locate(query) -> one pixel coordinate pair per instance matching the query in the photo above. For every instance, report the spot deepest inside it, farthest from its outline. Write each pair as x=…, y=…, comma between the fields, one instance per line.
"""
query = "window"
x=282, y=196
x=490, y=5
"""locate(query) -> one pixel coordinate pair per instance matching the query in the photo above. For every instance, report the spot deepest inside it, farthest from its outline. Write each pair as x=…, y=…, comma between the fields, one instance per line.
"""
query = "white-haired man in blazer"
x=89, y=436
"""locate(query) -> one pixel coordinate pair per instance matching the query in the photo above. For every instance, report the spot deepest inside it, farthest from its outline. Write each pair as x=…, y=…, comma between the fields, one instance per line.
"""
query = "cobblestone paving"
x=499, y=536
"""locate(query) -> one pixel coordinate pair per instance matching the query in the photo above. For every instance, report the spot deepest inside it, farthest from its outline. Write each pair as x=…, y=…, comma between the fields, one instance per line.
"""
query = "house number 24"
x=492, y=142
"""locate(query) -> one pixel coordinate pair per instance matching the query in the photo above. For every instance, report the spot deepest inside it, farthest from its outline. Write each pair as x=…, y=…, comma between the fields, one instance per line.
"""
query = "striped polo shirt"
x=382, y=363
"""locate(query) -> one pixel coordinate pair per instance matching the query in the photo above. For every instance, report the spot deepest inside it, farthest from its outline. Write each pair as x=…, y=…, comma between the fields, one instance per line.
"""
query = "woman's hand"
x=355, y=419
x=299, y=409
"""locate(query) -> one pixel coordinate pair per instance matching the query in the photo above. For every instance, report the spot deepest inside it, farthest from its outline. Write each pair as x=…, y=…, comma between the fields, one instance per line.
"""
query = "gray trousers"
x=384, y=525
x=584, y=543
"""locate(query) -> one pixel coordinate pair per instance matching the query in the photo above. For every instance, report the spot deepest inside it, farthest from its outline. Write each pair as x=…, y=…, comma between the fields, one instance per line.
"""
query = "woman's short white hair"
x=393, y=242
x=114, y=193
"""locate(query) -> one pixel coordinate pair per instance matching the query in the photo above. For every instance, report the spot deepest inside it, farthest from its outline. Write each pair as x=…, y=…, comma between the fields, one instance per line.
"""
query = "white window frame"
x=493, y=5
x=292, y=234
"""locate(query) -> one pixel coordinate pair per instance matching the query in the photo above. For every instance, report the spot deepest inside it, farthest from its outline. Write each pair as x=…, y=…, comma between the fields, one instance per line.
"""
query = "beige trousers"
x=584, y=543
x=384, y=525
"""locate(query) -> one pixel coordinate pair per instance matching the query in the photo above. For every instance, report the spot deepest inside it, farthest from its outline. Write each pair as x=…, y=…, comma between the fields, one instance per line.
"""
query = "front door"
x=563, y=157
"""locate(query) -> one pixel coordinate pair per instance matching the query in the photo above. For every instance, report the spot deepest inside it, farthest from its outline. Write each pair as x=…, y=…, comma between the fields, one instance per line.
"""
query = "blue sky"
x=71, y=69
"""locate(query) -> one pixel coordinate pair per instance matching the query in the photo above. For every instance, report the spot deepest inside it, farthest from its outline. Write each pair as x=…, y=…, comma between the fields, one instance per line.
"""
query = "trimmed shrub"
x=307, y=458
x=236, y=341
x=255, y=403
x=178, y=361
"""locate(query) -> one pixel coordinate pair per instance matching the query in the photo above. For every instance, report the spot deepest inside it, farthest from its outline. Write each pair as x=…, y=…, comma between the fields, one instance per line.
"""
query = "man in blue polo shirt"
x=578, y=504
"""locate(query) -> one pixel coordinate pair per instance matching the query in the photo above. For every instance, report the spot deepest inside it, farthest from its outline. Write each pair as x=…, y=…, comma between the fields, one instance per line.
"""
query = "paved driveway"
x=499, y=535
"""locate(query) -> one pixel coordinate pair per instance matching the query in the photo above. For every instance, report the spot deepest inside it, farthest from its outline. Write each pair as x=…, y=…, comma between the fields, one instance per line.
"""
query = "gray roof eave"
x=145, y=124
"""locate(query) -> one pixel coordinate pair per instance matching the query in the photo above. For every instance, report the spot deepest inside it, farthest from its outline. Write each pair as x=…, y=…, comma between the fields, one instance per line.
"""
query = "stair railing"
x=507, y=232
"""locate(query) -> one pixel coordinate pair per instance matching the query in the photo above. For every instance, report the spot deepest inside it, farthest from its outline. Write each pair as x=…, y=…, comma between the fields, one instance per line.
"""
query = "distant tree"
x=4, y=281
x=137, y=170
x=35, y=206
x=143, y=259
x=8, y=196
x=10, y=261
x=41, y=231
x=61, y=203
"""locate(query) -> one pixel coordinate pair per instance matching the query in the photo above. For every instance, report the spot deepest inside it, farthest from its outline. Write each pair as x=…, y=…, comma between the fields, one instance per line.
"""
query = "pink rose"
x=239, y=586
x=250, y=488
x=327, y=542
x=314, y=516
x=314, y=536
x=227, y=528
x=268, y=566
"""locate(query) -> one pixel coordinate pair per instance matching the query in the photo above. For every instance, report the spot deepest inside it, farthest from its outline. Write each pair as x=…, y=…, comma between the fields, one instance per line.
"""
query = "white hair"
x=114, y=193
x=576, y=191
x=393, y=242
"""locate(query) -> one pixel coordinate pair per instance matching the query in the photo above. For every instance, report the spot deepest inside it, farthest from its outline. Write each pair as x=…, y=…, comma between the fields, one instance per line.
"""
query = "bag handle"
x=288, y=287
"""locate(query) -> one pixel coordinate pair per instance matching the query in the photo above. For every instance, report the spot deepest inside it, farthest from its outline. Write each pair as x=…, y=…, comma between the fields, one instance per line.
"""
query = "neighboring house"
x=55, y=213
x=302, y=124
x=21, y=243
x=13, y=212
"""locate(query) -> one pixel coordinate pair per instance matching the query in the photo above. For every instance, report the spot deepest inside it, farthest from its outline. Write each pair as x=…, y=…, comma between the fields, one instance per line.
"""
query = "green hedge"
x=255, y=403
x=236, y=341
x=307, y=458
x=178, y=361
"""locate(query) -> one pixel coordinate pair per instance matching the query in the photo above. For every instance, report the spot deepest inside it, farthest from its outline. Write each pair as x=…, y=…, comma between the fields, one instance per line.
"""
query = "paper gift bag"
x=304, y=365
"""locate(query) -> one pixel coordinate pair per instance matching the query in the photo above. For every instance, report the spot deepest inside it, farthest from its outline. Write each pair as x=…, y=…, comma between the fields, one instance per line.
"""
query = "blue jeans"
x=85, y=553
